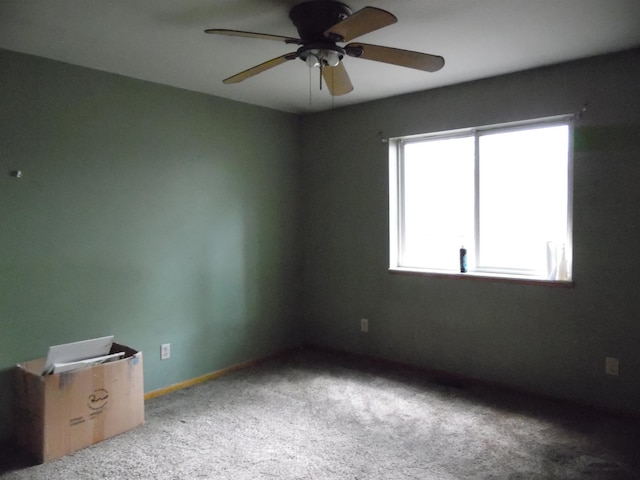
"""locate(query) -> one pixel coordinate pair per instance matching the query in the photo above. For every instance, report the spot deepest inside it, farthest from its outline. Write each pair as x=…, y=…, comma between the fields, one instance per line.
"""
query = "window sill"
x=483, y=277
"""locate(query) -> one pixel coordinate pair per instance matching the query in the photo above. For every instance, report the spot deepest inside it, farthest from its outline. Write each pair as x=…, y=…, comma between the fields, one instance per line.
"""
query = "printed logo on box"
x=98, y=399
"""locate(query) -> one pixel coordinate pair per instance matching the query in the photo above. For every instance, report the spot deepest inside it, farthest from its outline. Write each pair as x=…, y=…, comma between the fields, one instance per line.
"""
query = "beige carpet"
x=315, y=415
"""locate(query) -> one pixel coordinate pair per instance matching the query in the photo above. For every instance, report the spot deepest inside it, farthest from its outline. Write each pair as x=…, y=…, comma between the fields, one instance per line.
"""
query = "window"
x=502, y=193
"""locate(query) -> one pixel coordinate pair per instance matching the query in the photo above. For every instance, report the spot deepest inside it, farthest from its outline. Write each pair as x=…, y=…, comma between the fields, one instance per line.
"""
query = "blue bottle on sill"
x=463, y=259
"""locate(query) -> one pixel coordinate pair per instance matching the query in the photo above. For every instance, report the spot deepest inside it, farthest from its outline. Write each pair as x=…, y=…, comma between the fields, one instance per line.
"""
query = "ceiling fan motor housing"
x=314, y=18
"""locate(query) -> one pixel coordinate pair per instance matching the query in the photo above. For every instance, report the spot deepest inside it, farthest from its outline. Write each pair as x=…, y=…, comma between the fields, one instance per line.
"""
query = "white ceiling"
x=163, y=41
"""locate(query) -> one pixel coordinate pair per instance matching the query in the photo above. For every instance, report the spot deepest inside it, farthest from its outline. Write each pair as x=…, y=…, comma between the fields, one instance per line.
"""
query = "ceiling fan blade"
x=396, y=56
x=337, y=80
x=274, y=62
x=363, y=21
x=262, y=36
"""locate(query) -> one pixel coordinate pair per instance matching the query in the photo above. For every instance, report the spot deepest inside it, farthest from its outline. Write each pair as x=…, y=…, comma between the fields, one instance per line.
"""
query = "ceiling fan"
x=321, y=25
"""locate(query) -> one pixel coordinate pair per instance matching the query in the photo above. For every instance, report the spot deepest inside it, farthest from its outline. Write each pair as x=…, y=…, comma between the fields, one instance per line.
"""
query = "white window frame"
x=396, y=198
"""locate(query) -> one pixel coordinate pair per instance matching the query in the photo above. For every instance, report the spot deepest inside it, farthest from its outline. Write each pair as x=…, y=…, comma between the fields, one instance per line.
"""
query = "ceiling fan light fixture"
x=321, y=55
x=312, y=61
x=331, y=57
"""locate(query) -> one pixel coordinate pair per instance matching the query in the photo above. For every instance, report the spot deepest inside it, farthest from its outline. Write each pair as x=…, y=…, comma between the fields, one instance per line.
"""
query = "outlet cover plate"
x=364, y=325
x=165, y=351
x=611, y=366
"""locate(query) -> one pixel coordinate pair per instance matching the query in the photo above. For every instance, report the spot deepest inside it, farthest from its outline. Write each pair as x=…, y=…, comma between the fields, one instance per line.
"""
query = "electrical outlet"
x=165, y=351
x=611, y=366
x=364, y=325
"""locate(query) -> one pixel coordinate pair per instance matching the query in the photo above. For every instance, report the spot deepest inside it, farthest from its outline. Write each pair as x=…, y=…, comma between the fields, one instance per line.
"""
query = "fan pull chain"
x=310, y=87
x=321, y=75
x=333, y=98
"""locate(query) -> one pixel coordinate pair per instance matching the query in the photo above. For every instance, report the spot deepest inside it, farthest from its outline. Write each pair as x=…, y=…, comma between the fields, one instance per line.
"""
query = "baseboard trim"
x=460, y=381
x=213, y=375
x=439, y=376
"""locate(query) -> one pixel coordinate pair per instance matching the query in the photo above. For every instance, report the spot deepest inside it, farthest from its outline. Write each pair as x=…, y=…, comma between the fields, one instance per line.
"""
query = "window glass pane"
x=438, y=214
x=523, y=192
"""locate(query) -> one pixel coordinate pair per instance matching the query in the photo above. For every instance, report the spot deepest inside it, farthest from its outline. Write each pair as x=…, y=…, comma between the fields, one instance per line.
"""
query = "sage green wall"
x=148, y=212
x=548, y=340
x=161, y=215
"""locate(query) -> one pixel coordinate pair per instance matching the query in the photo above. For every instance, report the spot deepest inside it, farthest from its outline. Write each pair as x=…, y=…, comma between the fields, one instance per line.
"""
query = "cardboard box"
x=61, y=413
